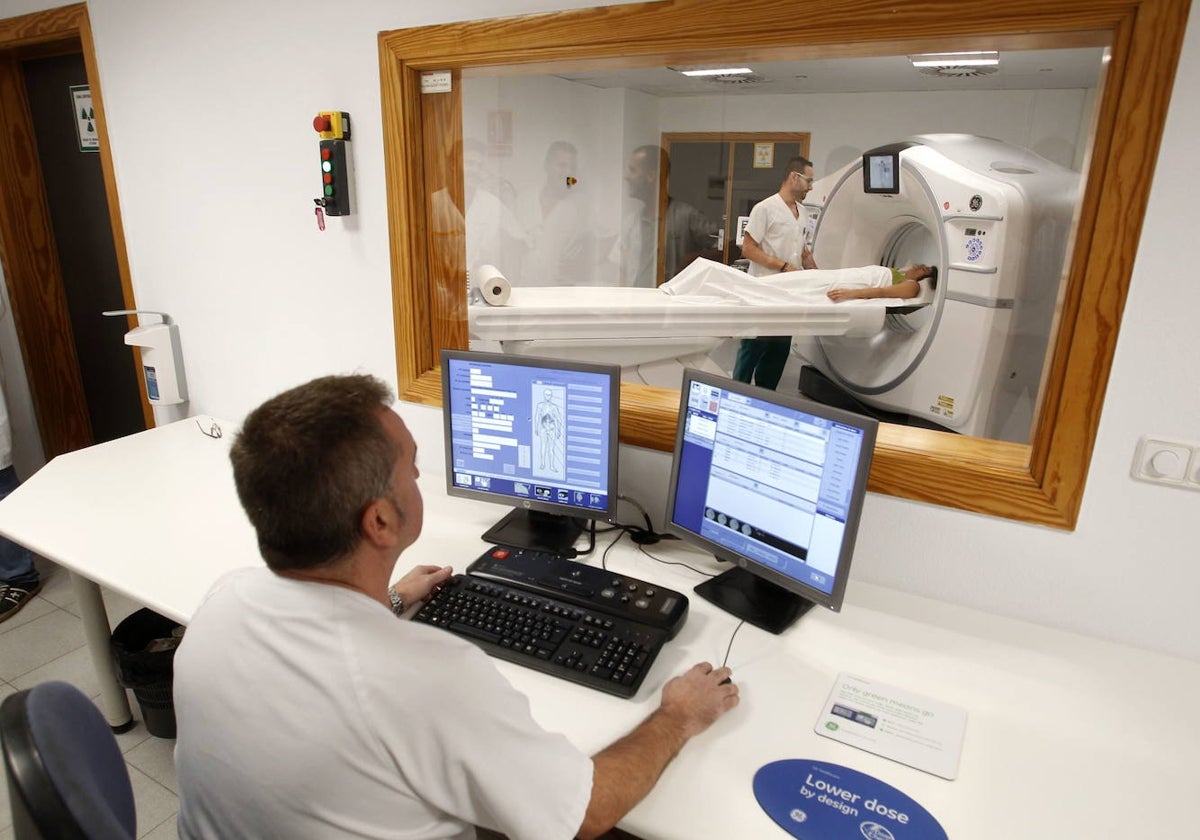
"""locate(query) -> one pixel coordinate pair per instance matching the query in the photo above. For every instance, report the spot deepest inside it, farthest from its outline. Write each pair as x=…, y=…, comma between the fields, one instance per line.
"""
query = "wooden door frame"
x=27, y=250
x=667, y=138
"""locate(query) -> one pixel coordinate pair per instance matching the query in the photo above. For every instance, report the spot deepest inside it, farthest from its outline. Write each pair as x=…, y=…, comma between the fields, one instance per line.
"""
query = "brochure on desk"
x=919, y=731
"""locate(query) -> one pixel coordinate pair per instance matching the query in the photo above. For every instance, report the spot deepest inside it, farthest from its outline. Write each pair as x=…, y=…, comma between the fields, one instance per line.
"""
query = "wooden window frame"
x=1042, y=482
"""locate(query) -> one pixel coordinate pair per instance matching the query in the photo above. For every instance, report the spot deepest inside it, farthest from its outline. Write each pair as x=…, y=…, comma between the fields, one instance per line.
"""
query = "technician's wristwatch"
x=397, y=602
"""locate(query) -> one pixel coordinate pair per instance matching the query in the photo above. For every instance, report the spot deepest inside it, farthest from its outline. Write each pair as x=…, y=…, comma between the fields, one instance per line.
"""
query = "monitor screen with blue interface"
x=773, y=484
x=539, y=435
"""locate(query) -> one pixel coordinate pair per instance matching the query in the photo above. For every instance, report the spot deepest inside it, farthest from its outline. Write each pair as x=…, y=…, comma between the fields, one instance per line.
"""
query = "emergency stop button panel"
x=334, y=130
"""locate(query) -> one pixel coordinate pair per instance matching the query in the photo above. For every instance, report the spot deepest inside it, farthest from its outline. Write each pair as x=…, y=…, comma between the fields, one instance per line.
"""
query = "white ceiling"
x=1019, y=70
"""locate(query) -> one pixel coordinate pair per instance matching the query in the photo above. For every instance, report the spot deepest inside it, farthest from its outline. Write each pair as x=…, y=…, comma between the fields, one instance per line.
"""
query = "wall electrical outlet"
x=1169, y=462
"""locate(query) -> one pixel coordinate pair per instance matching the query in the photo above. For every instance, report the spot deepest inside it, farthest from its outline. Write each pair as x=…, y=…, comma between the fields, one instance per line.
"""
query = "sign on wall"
x=85, y=118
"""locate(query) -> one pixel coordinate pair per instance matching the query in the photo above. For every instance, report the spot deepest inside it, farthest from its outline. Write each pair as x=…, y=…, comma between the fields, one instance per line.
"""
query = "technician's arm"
x=752, y=251
x=626, y=771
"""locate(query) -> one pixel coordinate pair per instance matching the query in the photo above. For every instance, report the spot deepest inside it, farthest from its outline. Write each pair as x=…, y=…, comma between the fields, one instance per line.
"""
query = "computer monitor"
x=539, y=435
x=773, y=484
x=881, y=171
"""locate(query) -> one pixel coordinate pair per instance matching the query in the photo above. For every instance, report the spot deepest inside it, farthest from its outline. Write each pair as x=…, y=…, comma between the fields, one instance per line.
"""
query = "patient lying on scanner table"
x=705, y=280
x=901, y=283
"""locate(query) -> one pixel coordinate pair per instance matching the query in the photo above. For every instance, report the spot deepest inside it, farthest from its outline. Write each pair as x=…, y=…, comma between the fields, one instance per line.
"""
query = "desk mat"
x=814, y=800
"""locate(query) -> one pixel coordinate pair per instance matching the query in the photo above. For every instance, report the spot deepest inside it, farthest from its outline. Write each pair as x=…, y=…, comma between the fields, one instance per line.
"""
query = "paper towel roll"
x=493, y=286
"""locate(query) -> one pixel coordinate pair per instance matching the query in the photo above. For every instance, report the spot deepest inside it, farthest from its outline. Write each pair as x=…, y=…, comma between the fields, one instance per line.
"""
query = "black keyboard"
x=595, y=647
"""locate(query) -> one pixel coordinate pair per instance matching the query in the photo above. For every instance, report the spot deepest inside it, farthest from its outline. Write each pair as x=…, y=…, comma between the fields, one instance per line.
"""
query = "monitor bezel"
x=833, y=599
x=894, y=154
x=612, y=371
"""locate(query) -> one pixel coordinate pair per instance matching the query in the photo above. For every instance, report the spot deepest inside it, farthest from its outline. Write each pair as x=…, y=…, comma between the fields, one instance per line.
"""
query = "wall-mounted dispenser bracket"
x=162, y=358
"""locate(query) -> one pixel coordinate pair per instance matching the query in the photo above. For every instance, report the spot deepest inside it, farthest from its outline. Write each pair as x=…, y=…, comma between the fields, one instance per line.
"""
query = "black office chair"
x=66, y=777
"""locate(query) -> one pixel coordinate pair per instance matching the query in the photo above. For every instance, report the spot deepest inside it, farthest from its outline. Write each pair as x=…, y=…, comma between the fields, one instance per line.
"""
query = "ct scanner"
x=996, y=218
x=968, y=356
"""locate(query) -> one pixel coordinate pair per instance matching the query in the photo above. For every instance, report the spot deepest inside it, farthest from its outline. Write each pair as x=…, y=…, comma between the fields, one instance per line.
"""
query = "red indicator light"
x=328, y=178
x=326, y=154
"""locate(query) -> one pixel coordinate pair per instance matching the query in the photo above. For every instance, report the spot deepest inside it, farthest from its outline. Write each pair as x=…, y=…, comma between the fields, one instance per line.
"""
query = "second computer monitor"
x=775, y=485
x=536, y=434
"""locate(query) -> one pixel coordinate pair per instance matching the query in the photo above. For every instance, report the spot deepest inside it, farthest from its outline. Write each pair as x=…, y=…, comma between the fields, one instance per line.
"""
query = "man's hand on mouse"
x=699, y=696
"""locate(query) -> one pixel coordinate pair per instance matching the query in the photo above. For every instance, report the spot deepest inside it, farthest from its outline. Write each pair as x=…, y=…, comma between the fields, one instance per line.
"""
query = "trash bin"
x=143, y=648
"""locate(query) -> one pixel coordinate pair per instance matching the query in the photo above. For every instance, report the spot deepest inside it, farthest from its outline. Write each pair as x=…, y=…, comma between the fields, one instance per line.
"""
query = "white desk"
x=1066, y=736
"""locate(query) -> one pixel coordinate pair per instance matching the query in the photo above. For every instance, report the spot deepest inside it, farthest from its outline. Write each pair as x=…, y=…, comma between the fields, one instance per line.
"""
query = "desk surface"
x=1066, y=736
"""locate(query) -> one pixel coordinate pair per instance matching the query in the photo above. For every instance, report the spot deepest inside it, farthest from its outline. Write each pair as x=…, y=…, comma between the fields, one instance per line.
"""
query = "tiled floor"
x=45, y=642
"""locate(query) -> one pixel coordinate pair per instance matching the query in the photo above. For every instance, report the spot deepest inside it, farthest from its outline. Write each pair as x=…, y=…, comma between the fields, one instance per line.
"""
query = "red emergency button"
x=321, y=122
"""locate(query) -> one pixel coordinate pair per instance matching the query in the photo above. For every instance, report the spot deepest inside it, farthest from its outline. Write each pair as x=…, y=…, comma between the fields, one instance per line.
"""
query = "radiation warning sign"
x=85, y=118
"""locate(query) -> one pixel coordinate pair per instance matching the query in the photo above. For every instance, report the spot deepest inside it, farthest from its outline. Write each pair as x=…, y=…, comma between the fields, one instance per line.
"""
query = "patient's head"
x=919, y=271
x=307, y=463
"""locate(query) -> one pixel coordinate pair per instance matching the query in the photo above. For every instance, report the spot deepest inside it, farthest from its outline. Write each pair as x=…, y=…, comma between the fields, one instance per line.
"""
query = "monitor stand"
x=754, y=599
x=535, y=530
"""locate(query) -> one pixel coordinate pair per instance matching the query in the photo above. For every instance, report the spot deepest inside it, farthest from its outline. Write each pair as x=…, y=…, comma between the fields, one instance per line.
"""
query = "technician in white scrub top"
x=775, y=242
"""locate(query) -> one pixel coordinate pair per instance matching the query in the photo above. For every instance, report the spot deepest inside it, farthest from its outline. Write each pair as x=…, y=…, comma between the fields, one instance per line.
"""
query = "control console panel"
x=572, y=581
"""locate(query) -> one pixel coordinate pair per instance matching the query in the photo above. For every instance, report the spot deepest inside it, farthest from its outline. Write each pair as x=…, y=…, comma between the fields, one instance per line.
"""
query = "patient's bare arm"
x=903, y=289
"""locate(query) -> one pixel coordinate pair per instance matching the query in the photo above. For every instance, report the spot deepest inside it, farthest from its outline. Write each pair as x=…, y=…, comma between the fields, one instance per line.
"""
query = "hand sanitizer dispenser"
x=162, y=359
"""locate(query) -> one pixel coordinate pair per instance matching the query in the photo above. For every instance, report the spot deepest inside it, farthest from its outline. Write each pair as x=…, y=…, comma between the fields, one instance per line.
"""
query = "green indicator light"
x=326, y=166
x=329, y=189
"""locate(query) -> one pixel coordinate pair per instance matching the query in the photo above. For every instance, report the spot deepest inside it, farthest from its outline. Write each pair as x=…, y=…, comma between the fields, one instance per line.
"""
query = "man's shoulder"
x=766, y=204
x=233, y=583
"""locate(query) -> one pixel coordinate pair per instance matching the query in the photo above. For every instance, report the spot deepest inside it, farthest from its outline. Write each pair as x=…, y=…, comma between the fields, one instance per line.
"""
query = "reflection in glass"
x=563, y=172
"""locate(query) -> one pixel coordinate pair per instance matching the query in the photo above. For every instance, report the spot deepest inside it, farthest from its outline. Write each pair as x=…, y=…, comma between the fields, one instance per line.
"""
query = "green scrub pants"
x=760, y=360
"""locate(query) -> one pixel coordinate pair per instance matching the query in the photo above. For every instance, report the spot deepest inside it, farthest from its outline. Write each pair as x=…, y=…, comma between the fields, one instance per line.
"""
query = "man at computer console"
x=306, y=709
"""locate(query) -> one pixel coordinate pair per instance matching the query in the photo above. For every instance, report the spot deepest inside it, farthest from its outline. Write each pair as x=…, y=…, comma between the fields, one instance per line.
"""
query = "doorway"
x=63, y=263
x=723, y=175
x=61, y=110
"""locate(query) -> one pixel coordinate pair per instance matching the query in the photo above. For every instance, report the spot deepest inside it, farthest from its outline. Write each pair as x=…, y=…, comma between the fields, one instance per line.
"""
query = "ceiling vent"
x=958, y=71
x=736, y=79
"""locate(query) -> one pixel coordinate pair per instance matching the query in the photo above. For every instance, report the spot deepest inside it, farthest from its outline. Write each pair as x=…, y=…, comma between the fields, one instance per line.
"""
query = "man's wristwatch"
x=397, y=602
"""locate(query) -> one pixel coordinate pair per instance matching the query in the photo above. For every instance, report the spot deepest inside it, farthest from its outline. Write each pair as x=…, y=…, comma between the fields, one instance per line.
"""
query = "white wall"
x=209, y=108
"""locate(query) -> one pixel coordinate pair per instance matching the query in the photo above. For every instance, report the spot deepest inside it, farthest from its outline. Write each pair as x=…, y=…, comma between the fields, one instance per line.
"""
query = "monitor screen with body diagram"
x=537, y=435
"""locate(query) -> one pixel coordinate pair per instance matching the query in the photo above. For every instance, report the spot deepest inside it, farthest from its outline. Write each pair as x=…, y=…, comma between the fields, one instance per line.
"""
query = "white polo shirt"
x=309, y=710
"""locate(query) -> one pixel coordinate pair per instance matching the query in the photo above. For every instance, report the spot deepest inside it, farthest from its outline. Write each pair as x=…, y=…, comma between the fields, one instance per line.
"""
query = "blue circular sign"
x=813, y=800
